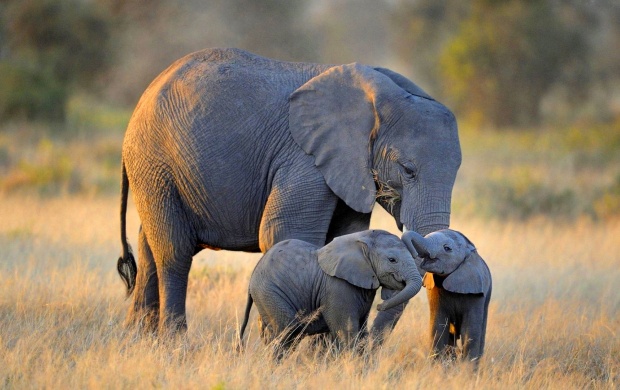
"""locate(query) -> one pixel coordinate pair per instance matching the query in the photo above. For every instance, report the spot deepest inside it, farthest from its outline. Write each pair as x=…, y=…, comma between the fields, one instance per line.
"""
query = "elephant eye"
x=410, y=171
x=447, y=248
x=392, y=260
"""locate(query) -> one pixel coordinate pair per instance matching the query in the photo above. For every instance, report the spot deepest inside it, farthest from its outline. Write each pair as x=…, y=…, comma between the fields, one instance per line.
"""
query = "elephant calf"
x=458, y=283
x=301, y=289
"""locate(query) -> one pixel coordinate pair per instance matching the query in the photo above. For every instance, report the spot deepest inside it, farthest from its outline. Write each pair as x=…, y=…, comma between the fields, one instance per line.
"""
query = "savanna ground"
x=543, y=207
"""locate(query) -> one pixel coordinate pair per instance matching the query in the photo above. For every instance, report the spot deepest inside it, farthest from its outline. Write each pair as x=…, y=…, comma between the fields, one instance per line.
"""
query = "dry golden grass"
x=554, y=316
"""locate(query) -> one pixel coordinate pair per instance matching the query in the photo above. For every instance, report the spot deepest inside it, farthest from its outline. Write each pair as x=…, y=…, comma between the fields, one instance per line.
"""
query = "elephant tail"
x=126, y=264
x=246, y=317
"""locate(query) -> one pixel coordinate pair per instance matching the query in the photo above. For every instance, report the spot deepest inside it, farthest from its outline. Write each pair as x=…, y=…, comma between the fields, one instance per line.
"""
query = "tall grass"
x=542, y=206
x=554, y=315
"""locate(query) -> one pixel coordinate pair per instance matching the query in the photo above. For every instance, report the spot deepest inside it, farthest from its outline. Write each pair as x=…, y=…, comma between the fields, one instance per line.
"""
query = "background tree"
x=51, y=48
x=506, y=56
x=421, y=29
x=515, y=62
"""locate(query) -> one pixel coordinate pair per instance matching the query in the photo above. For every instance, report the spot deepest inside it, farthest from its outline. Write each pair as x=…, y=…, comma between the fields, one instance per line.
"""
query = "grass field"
x=554, y=317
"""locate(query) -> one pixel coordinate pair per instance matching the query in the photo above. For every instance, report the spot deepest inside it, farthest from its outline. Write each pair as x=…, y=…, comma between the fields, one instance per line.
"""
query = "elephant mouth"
x=426, y=262
x=399, y=280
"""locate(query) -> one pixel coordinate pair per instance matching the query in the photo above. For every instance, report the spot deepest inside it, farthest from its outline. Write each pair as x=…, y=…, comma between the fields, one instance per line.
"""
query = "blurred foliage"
x=278, y=22
x=423, y=29
x=607, y=203
x=50, y=49
x=30, y=93
x=153, y=35
x=506, y=56
x=521, y=194
x=557, y=172
x=80, y=156
x=500, y=63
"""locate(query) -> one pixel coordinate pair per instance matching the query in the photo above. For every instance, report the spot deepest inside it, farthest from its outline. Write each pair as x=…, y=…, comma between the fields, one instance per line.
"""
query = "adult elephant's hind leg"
x=144, y=310
x=172, y=243
x=175, y=262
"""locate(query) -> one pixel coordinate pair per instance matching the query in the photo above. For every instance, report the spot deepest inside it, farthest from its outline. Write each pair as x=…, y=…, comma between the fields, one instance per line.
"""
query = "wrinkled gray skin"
x=334, y=286
x=229, y=150
x=458, y=284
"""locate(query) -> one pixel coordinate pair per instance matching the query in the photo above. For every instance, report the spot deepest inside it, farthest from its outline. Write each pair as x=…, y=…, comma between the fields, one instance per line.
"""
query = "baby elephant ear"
x=471, y=277
x=347, y=258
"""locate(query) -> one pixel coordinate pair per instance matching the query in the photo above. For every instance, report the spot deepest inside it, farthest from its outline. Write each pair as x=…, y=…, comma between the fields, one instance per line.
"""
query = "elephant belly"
x=233, y=234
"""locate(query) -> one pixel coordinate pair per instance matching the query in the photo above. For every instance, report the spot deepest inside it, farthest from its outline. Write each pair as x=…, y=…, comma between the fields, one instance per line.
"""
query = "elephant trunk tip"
x=127, y=269
x=412, y=287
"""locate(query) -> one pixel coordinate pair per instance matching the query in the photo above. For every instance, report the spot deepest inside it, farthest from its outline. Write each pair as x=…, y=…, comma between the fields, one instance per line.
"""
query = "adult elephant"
x=229, y=150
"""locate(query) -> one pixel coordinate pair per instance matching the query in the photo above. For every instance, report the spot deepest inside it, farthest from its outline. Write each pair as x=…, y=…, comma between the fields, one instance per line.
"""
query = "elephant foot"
x=172, y=326
x=145, y=321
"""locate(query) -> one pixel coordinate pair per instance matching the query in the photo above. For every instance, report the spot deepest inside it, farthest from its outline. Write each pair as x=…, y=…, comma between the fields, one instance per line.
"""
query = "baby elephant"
x=458, y=286
x=300, y=289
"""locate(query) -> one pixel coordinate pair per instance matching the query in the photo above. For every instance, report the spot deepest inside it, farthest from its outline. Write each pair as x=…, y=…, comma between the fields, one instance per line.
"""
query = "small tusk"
x=405, y=230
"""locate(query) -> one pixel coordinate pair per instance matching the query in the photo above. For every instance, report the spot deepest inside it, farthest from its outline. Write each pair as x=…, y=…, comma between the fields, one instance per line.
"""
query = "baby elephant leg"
x=344, y=328
x=472, y=337
x=442, y=340
x=282, y=334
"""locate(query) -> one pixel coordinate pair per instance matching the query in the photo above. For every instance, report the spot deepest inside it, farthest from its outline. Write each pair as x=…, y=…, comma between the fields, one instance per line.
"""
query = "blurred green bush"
x=515, y=62
x=51, y=48
x=555, y=172
x=30, y=94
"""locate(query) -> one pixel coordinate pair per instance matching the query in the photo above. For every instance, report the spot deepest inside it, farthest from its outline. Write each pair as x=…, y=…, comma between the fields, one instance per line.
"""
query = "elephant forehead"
x=393, y=248
x=445, y=235
x=439, y=235
x=457, y=237
x=387, y=240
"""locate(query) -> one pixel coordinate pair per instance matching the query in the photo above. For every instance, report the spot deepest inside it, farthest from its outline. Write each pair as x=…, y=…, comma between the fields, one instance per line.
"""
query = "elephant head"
x=449, y=253
x=375, y=135
x=370, y=259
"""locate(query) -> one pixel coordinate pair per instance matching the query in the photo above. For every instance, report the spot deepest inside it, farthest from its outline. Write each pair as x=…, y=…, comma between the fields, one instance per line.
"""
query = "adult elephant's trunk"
x=413, y=283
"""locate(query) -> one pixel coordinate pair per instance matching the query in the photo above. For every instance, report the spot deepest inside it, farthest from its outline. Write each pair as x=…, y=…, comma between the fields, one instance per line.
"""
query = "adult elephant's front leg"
x=172, y=243
x=299, y=206
x=345, y=220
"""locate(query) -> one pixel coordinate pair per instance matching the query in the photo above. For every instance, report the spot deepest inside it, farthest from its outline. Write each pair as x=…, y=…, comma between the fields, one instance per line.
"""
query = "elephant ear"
x=347, y=258
x=333, y=117
x=404, y=83
x=471, y=277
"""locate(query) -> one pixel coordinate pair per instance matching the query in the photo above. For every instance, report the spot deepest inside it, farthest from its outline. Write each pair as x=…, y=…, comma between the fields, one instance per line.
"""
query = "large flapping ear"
x=471, y=277
x=404, y=83
x=333, y=117
x=347, y=258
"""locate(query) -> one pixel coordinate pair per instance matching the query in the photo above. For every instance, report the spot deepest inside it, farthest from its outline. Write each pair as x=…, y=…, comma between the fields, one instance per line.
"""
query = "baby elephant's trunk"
x=413, y=283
